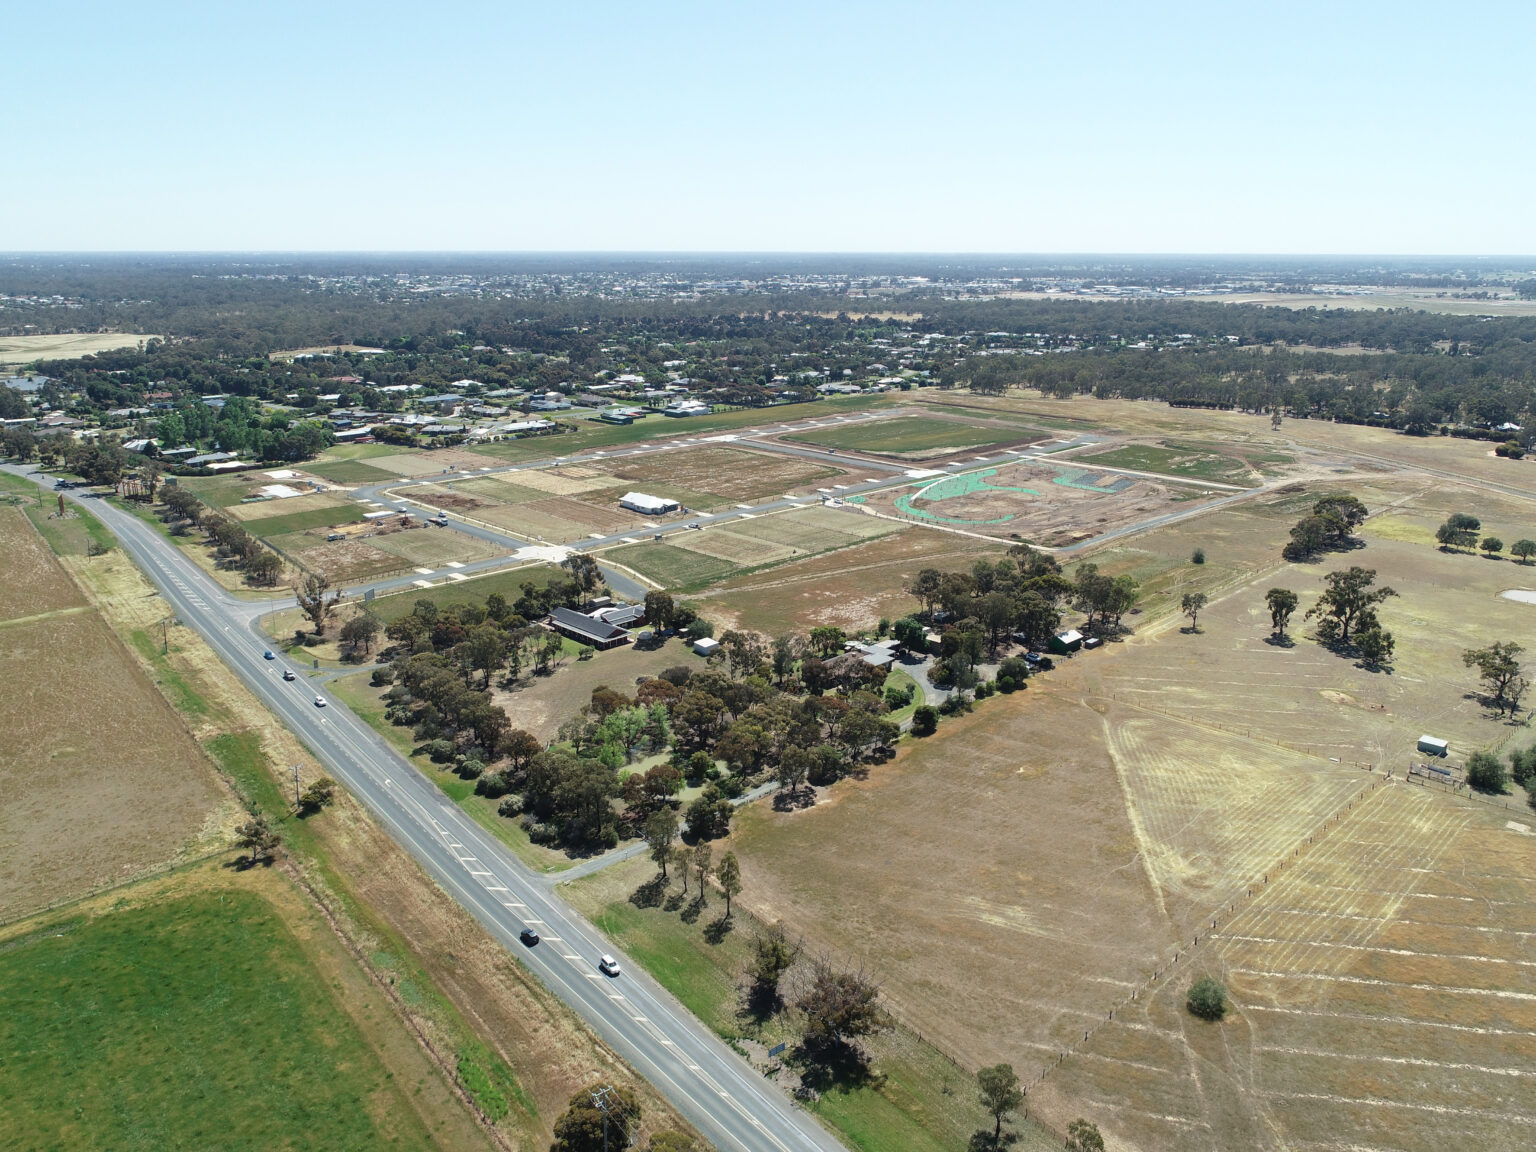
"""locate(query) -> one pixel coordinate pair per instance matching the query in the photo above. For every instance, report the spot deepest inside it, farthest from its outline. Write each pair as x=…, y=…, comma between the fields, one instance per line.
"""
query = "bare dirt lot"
x=852, y=588
x=98, y=777
x=725, y=475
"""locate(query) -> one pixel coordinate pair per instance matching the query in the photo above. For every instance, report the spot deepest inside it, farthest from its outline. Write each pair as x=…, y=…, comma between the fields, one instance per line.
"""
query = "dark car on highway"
x=528, y=936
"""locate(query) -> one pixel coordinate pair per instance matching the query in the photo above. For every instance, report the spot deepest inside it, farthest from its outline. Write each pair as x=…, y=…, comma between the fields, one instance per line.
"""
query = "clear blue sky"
x=1086, y=126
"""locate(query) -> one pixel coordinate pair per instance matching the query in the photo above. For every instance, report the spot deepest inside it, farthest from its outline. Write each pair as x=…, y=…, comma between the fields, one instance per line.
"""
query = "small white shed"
x=1434, y=746
x=705, y=645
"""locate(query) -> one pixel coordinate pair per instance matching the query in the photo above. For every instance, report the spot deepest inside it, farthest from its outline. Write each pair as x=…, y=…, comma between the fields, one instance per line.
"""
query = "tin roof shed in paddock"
x=647, y=505
x=1434, y=746
x=1065, y=643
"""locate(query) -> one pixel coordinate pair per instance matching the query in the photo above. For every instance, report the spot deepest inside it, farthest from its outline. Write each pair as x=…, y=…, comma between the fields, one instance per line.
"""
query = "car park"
x=608, y=966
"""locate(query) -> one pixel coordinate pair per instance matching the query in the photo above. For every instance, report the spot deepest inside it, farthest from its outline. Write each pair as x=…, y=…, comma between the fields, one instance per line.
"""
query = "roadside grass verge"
x=71, y=537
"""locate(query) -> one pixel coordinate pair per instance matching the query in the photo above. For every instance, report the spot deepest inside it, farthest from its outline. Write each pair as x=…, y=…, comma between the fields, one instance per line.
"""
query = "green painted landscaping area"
x=673, y=567
x=906, y=435
x=358, y=451
x=350, y=472
x=303, y=521
x=950, y=487
x=1190, y=461
x=193, y=1022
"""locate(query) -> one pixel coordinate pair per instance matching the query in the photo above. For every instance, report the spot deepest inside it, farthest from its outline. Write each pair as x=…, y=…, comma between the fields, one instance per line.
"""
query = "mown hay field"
x=1383, y=996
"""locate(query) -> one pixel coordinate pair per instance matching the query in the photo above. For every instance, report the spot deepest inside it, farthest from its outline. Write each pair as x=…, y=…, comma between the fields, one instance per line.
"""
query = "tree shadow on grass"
x=824, y=1067
x=651, y=893
x=695, y=908
x=674, y=902
x=794, y=799
x=760, y=1003
x=984, y=1141
x=1279, y=641
x=717, y=930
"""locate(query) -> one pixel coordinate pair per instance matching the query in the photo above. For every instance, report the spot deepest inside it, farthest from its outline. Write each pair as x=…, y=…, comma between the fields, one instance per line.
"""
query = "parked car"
x=528, y=936
x=608, y=966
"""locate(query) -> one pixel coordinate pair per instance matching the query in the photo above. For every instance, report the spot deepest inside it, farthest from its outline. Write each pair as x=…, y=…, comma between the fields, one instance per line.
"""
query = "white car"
x=319, y=701
x=608, y=966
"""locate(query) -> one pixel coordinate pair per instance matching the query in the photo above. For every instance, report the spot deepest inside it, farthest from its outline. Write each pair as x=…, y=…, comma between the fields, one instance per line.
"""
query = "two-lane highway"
x=730, y=1104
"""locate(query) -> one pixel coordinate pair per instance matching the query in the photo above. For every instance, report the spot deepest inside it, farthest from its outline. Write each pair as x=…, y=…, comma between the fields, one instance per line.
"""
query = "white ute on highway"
x=608, y=965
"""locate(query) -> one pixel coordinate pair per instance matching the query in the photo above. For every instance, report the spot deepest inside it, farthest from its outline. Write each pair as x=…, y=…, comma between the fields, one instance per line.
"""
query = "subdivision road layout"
x=732, y=1106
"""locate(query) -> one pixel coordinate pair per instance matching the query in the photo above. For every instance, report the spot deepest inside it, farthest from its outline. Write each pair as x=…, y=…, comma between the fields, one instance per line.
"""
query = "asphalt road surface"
x=731, y=1105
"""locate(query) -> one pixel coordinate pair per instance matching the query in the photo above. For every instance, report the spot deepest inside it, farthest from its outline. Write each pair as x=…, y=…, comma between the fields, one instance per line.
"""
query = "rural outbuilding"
x=647, y=505
x=1065, y=643
x=705, y=645
x=1434, y=746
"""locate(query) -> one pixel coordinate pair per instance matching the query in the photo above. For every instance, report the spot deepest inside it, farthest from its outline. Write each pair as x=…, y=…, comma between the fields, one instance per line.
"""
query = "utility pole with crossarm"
x=600, y=1101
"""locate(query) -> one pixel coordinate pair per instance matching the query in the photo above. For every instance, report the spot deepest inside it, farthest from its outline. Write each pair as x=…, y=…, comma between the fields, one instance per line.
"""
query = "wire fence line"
x=1184, y=953
x=150, y=873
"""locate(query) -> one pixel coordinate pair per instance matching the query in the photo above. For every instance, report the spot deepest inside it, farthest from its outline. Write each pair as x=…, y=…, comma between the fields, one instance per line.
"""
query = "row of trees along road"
x=235, y=547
